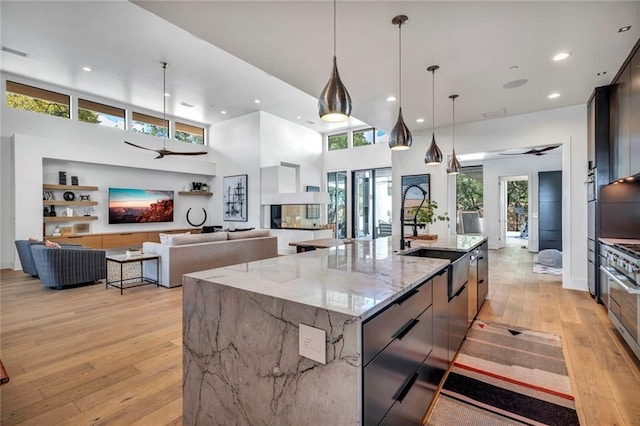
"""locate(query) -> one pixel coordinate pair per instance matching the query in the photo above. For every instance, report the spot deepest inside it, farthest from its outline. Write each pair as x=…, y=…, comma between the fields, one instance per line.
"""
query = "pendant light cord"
x=334, y=28
x=400, y=63
x=453, y=104
x=433, y=102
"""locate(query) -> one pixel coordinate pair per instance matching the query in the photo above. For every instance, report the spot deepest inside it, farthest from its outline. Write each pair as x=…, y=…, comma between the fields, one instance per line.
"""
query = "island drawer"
x=411, y=405
x=386, y=377
x=382, y=329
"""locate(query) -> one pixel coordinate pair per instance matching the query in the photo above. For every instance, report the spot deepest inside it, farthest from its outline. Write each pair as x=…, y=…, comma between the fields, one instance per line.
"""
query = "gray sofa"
x=183, y=254
x=68, y=266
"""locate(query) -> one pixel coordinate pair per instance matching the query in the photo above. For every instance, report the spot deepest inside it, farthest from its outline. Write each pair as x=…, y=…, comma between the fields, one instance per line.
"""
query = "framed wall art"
x=234, y=198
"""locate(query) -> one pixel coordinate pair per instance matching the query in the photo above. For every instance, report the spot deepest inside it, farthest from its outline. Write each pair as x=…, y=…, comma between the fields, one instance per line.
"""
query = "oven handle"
x=617, y=280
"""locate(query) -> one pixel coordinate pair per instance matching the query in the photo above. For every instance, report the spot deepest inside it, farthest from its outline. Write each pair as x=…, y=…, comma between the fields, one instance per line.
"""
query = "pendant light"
x=454, y=164
x=400, y=136
x=334, y=103
x=433, y=155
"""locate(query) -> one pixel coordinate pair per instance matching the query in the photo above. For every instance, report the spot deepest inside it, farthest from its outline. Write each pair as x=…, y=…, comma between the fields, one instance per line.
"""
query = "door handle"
x=400, y=300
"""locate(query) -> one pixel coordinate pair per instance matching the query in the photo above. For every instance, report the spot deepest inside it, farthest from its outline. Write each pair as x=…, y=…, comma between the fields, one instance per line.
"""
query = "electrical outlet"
x=312, y=343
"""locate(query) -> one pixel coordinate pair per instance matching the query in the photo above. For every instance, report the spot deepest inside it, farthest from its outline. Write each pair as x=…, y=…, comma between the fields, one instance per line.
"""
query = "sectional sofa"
x=182, y=254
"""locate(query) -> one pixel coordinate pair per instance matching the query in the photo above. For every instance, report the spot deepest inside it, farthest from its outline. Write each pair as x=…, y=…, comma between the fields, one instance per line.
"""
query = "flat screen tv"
x=127, y=205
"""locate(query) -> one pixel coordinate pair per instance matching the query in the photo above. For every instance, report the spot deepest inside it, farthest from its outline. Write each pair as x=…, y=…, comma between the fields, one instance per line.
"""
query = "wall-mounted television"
x=129, y=205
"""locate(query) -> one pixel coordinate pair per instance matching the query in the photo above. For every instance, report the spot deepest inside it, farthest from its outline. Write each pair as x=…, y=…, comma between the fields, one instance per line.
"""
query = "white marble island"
x=241, y=325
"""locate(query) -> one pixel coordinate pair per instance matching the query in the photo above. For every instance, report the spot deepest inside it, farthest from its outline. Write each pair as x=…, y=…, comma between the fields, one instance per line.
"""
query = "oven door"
x=623, y=305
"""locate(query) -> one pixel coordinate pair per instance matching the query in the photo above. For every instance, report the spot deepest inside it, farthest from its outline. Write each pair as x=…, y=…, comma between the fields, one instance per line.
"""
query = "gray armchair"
x=68, y=266
x=26, y=258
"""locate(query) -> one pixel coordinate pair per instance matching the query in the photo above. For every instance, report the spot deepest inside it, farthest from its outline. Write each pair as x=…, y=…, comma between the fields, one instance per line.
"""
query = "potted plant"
x=425, y=216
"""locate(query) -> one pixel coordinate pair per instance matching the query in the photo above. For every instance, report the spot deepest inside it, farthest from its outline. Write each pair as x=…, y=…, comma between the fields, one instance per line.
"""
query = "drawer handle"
x=459, y=292
x=405, y=329
x=405, y=388
x=130, y=233
x=400, y=300
x=480, y=282
x=481, y=257
x=444, y=270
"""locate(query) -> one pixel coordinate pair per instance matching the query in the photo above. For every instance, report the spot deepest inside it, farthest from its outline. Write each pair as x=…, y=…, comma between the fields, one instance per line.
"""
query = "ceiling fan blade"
x=548, y=148
x=514, y=153
x=185, y=153
x=141, y=147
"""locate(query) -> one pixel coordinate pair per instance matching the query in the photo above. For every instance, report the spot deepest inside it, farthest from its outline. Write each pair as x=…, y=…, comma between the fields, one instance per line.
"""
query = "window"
x=189, y=134
x=21, y=96
x=150, y=125
x=104, y=115
x=363, y=137
x=338, y=141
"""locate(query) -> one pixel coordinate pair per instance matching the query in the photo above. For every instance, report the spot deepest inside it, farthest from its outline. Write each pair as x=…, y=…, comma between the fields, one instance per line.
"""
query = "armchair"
x=66, y=267
x=23, y=248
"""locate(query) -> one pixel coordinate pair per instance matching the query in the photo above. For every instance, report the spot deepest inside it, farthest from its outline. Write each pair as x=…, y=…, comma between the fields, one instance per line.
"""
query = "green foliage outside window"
x=189, y=137
x=88, y=116
x=469, y=193
x=28, y=103
x=338, y=141
x=363, y=137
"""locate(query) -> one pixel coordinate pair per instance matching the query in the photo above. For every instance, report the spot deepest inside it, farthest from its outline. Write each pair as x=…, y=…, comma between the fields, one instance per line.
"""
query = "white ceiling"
x=223, y=55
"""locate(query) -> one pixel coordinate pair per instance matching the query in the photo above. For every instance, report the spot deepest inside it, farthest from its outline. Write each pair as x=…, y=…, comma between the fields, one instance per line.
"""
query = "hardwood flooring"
x=91, y=356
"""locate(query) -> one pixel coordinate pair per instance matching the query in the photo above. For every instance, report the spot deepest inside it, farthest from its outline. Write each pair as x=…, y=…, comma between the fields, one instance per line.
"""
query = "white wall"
x=236, y=147
x=351, y=159
x=528, y=166
x=566, y=126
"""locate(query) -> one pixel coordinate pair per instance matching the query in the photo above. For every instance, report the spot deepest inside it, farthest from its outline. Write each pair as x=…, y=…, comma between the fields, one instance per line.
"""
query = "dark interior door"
x=550, y=210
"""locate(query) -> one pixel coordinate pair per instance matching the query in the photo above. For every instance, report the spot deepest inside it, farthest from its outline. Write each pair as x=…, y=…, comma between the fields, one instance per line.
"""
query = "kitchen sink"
x=458, y=269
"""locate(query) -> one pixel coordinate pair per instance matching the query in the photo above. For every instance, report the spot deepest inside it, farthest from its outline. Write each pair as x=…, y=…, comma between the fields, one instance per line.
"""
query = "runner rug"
x=504, y=375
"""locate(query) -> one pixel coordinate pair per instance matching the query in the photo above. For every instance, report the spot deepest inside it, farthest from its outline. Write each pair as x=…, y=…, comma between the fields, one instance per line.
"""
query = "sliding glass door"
x=371, y=203
x=337, y=208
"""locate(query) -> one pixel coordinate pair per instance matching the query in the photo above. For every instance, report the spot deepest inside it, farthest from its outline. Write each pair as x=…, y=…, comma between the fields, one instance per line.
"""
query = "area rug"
x=506, y=376
x=539, y=268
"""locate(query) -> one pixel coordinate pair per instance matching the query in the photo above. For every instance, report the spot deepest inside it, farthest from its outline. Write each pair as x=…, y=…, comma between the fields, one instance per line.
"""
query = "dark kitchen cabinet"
x=483, y=273
x=550, y=210
x=620, y=124
x=634, y=136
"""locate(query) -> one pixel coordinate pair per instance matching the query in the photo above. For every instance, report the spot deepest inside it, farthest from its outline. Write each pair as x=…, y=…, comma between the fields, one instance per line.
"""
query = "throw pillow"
x=256, y=233
x=51, y=244
x=164, y=238
x=34, y=240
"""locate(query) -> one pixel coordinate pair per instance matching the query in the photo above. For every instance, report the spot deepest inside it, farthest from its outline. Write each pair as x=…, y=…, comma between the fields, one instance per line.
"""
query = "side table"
x=123, y=259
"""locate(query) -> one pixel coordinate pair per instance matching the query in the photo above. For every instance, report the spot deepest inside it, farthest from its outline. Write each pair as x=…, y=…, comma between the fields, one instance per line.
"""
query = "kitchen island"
x=242, y=327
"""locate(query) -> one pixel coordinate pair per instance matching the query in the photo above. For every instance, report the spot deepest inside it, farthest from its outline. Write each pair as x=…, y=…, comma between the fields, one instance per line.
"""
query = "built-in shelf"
x=48, y=219
x=69, y=203
x=201, y=193
x=53, y=186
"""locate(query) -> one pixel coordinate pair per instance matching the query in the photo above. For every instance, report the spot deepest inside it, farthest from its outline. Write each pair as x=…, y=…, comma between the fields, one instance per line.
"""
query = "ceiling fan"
x=164, y=151
x=533, y=151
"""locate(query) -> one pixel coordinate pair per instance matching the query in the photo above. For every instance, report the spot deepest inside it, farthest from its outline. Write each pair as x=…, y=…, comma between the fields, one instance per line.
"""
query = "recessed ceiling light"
x=299, y=117
x=561, y=56
x=391, y=98
x=183, y=103
x=515, y=83
x=554, y=95
x=623, y=29
x=88, y=69
x=420, y=120
x=223, y=112
x=256, y=101
x=166, y=95
x=514, y=67
x=601, y=73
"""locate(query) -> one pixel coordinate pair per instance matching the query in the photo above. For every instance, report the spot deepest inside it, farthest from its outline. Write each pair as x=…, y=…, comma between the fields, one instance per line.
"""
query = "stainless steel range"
x=620, y=274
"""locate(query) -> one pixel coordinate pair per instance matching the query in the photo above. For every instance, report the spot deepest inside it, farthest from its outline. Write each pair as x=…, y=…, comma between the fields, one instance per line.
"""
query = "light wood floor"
x=90, y=356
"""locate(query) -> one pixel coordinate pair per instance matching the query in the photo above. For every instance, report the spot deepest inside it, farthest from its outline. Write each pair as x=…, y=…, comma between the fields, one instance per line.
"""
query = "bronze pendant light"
x=454, y=164
x=433, y=155
x=400, y=136
x=334, y=103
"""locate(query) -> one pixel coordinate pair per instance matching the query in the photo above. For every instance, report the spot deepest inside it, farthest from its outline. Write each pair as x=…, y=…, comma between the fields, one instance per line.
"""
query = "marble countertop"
x=611, y=241
x=464, y=243
x=355, y=279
